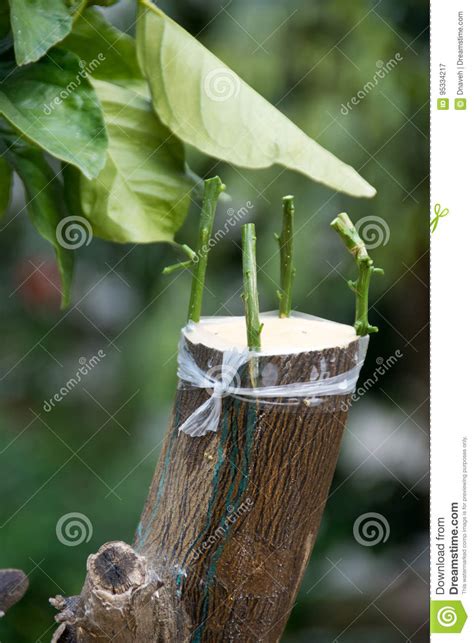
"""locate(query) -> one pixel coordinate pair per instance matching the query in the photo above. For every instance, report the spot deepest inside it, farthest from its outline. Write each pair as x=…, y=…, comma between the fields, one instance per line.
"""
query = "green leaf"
x=53, y=104
x=106, y=52
x=43, y=197
x=208, y=106
x=37, y=25
x=143, y=193
x=76, y=7
x=5, y=185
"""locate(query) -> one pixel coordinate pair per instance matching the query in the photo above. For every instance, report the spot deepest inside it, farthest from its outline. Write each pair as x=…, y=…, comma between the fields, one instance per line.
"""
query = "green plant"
x=250, y=293
x=117, y=113
x=365, y=266
x=287, y=268
x=212, y=189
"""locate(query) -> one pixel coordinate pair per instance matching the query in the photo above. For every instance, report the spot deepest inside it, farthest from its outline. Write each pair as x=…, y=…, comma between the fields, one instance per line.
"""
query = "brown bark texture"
x=230, y=520
x=13, y=585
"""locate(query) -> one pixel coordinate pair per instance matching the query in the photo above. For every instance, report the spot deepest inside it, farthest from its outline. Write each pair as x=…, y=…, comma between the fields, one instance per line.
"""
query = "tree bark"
x=13, y=585
x=230, y=519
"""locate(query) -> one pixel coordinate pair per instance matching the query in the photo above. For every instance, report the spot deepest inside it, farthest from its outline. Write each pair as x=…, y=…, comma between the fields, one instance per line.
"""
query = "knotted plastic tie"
x=206, y=417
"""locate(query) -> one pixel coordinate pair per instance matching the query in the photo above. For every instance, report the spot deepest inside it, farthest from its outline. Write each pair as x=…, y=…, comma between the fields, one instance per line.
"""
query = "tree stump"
x=231, y=517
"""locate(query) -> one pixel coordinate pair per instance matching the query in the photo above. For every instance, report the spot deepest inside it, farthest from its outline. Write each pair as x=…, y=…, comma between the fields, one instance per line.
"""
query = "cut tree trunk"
x=230, y=520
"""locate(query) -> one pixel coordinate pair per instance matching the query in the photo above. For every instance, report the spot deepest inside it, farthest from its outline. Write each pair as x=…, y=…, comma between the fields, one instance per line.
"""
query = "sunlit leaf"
x=143, y=192
x=208, y=106
x=53, y=104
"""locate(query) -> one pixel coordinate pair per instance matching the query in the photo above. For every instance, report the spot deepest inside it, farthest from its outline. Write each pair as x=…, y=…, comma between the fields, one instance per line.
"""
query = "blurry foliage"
x=116, y=111
x=302, y=67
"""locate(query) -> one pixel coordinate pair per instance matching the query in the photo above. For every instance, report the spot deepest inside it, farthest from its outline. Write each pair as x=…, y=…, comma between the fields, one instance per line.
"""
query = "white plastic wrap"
x=227, y=382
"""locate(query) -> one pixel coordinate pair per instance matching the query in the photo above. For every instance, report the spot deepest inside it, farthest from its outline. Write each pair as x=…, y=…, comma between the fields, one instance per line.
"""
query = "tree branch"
x=189, y=252
x=212, y=190
x=124, y=599
x=13, y=585
x=250, y=295
x=351, y=239
x=287, y=269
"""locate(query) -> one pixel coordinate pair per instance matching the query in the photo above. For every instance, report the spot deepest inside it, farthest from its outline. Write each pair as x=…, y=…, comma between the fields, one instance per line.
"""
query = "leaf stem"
x=250, y=295
x=212, y=189
x=287, y=268
x=351, y=239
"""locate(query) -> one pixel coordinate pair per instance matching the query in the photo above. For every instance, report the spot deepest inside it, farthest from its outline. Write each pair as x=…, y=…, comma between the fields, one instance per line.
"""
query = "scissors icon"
x=439, y=214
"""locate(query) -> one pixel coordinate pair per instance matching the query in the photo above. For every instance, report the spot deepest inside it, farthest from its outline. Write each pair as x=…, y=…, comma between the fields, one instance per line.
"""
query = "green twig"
x=250, y=295
x=212, y=189
x=287, y=268
x=351, y=239
x=182, y=264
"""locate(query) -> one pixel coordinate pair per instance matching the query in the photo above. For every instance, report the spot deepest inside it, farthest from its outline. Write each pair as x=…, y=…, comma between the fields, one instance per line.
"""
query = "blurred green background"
x=95, y=452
